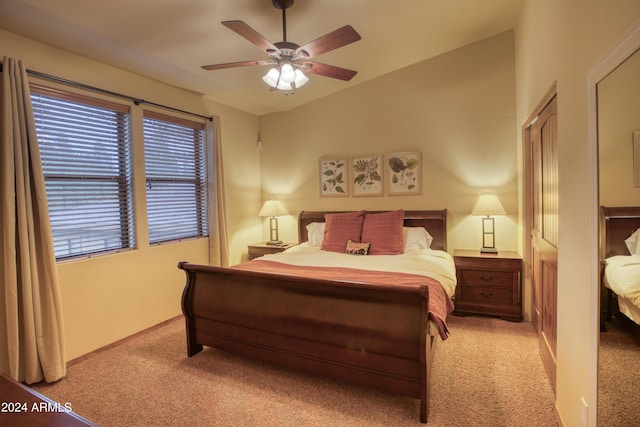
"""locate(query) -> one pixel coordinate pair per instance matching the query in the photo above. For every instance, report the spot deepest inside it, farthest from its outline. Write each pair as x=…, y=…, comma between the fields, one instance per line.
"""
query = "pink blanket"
x=440, y=305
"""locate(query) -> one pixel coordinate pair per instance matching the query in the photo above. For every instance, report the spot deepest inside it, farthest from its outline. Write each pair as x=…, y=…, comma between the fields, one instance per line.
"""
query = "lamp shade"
x=271, y=78
x=488, y=204
x=272, y=208
x=301, y=79
x=287, y=74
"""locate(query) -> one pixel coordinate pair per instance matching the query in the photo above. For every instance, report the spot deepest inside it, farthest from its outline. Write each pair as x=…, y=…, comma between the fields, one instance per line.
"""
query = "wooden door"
x=544, y=232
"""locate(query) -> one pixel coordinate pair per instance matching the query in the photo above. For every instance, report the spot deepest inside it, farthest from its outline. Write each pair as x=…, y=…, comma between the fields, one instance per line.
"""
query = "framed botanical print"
x=367, y=172
x=334, y=177
x=403, y=171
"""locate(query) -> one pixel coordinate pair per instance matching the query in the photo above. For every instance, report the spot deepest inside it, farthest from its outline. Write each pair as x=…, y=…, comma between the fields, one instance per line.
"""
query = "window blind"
x=175, y=166
x=85, y=153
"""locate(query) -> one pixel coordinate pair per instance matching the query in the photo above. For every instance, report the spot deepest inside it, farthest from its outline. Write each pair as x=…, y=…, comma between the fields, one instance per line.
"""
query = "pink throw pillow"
x=384, y=232
x=340, y=228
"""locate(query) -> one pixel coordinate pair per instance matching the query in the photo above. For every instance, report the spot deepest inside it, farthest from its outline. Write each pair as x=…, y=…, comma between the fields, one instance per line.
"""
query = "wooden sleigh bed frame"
x=266, y=316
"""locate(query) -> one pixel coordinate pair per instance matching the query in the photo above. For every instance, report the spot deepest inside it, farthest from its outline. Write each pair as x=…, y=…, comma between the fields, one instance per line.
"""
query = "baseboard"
x=124, y=340
x=558, y=417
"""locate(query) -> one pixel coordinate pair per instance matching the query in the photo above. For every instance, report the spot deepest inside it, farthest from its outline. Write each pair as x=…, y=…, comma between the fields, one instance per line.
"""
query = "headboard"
x=435, y=222
x=616, y=225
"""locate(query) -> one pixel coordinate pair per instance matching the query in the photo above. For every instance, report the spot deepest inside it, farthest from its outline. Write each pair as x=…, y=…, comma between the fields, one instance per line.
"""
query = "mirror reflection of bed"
x=619, y=367
x=618, y=108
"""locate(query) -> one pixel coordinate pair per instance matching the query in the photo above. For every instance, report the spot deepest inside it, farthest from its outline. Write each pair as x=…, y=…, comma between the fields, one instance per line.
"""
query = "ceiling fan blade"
x=329, y=71
x=233, y=65
x=330, y=41
x=250, y=34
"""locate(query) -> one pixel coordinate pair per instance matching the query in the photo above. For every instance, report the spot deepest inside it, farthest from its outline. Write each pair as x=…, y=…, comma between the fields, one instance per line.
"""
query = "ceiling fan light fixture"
x=287, y=87
x=272, y=76
x=301, y=79
x=285, y=78
x=287, y=74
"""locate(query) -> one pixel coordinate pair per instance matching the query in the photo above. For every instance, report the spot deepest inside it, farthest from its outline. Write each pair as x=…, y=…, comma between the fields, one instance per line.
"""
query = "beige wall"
x=560, y=40
x=107, y=298
x=457, y=109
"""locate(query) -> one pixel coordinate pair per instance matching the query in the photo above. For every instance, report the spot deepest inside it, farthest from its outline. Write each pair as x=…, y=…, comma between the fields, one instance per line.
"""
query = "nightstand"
x=488, y=284
x=259, y=249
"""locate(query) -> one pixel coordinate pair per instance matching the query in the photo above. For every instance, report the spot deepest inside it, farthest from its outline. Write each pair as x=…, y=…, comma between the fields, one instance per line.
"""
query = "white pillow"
x=632, y=242
x=315, y=233
x=637, y=248
x=416, y=238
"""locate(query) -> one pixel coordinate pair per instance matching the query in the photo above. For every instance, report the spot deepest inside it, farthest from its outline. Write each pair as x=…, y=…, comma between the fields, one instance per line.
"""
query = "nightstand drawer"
x=484, y=294
x=484, y=278
x=488, y=284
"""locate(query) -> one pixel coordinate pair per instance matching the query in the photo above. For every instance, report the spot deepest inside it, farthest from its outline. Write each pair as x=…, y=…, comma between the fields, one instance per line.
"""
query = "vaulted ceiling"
x=170, y=40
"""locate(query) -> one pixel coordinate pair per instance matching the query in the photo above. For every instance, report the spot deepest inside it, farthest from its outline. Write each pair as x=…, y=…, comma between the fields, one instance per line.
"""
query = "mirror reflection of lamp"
x=273, y=209
x=488, y=204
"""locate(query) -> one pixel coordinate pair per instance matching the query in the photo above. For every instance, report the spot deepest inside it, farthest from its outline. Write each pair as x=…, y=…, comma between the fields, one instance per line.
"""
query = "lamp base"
x=488, y=250
x=274, y=240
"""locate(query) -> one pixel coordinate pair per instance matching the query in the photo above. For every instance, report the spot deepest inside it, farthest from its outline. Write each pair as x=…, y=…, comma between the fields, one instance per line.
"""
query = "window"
x=85, y=152
x=175, y=177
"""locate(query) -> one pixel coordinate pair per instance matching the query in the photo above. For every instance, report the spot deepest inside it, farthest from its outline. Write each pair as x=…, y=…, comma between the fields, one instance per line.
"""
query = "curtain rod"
x=136, y=101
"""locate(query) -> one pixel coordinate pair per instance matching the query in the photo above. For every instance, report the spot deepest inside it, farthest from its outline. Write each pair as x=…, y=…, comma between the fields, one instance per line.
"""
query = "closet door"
x=544, y=232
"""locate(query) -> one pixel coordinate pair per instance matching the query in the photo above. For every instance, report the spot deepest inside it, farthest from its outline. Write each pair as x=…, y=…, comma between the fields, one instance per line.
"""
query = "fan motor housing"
x=282, y=4
x=286, y=45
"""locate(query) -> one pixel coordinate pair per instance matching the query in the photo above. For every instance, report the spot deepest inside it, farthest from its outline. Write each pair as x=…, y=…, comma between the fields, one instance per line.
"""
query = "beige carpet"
x=488, y=373
x=619, y=375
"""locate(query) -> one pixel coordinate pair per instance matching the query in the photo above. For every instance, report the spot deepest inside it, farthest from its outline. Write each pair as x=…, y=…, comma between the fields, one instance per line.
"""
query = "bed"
x=620, y=255
x=373, y=327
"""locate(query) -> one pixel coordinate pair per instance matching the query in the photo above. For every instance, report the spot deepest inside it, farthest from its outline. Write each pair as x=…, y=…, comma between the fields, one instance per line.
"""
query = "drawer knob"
x=486, y=294
x=486, y=278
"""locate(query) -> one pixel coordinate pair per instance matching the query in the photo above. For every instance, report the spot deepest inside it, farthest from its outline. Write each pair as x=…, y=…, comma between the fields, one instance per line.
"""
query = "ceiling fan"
x=290, y=60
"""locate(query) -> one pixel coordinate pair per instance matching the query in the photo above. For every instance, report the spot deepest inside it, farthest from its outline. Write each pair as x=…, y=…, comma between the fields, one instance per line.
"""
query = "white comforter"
x=622, y=276
x=425, y=262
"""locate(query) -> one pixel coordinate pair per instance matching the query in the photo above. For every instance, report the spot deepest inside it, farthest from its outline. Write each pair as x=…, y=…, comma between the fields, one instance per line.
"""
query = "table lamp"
x=273, y=209
x=488, y=204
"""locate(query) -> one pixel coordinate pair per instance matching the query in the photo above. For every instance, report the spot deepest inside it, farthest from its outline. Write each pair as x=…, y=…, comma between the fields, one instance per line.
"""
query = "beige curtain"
x=218, y=241
x=31, y=329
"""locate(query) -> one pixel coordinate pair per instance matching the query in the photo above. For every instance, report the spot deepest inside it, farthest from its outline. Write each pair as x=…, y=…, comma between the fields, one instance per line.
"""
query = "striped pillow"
x=384, y=232
x=340, y=228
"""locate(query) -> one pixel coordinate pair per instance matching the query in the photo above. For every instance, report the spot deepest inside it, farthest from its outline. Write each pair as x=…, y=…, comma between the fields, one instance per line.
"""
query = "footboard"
x=372, y=335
